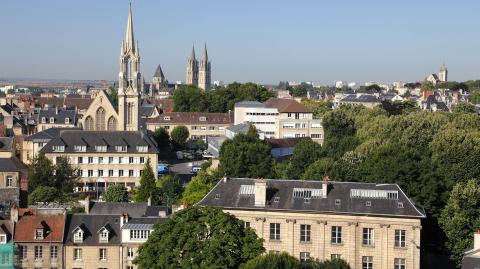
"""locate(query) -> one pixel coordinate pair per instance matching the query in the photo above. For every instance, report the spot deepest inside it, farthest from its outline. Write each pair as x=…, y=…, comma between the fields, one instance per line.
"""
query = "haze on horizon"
x=260, y=41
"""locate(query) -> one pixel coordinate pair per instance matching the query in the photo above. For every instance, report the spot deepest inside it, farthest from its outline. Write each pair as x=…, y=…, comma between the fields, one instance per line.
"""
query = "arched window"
x=100, y=119
x=89, y=124
x=112, y=124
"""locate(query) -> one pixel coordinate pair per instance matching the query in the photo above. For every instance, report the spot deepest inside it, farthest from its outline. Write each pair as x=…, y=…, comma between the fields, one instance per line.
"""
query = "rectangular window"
x=23, y=252
x=142, y=159
x=77, y=254
x=110, y=173
x=368, y=236
x=304, y=256
x=120, y=173
x=399, y=263
x=305, y=231
x=90, y=159
x=336, y=234
x=110, y=159
x=38, y=252
x=90, y=173
x=38, y=234
x=367, y=262
x=80, y=159
x=130, y=173
x=9, y=181
x=274, y=231
x=103, y=254
x=139, y=234
x=130, y=253
x=100, y=173
x=120, y=160
x=335, y=256
x=100, y=160
x=246, y=224
x=400, y=236
x=53, y=252
x=130, y=160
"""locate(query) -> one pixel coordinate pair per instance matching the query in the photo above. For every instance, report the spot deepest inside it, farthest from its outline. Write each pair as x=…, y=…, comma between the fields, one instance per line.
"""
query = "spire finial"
x=129, y=38
x=205, y=53
x=192, y=56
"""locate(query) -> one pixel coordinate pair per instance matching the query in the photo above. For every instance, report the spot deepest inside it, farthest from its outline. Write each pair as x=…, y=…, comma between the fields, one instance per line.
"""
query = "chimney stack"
x=14, y=213
x=123, y=219
x=476, y=240
x=260, y=192
x=325, y=186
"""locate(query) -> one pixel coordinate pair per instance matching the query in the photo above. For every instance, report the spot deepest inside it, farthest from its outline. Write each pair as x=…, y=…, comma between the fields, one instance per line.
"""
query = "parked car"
x=195, y=169
x=162, y=169
x=179, y=155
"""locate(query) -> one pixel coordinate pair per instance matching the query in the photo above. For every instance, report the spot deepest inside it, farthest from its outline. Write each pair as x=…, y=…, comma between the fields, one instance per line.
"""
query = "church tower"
x=192, y=69
x=158, y=81
x=129, y=81
x=204, y=73
x=442, y=75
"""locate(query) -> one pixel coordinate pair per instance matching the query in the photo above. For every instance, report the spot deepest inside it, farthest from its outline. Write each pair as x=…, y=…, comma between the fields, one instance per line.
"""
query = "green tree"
x=199, y=237
x=44, y=194
x=66, y=175
x=273, y=261
x=319, y=169
x=40, y=172
x=115, y=193
x=179, y=136
x=318, y=108
x=461, y=217
x=298, y=90
x=112, y=92
x=188, y=99
x=427, y=86
x=147, y=187
x=162, y=138
x=246, y=156
x=305, y=153
x=464, y=107
x=169, y=189
x=334, y=264
x=197, y=188
x=475, y=97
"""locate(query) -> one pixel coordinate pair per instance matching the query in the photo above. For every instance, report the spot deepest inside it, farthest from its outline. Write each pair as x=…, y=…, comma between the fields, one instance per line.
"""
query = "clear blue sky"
x=250, y=40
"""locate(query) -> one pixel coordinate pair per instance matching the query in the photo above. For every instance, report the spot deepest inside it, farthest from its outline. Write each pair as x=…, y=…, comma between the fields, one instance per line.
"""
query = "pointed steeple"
x=192, y=56
x=159, y=72
x=205, y=53
x=129, y=39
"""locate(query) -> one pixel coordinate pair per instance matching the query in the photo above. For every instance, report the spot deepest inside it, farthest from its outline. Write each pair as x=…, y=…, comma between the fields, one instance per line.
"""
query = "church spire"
x=192, y=56
x=129, y=39
x=205, y=53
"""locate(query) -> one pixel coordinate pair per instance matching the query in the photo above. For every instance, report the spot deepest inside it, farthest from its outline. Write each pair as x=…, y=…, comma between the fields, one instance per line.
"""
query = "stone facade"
x=90, y=257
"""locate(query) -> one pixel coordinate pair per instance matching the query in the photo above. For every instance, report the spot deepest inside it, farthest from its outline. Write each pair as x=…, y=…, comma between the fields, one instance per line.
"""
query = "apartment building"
x=56, y=118
x=280, y=118
x=104, y=157
x=369, y=225
x=199, y=124
x=12, y=174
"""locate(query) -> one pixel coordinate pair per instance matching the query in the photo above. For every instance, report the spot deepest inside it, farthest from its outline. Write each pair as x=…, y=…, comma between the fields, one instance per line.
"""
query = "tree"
x=147, y=187
x=44, y=194
x=427, y=86
x=273, y=261
x=162, y=138
x=199, y=237
x=66, y=175
x=169, y=189
x=334, y=264
x=318, y=108
x=113, y=96
x=188, y=99
x=116, y=194
x=40, y=172
x=319, y=169
x=179, y=136
x=305, y=153
x=246, y=156
x=298, y=90
x=461, y=217
x=464, y=107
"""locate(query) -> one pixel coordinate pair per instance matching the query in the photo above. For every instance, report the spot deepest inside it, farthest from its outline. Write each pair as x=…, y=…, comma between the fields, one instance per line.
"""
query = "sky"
x=263, y=41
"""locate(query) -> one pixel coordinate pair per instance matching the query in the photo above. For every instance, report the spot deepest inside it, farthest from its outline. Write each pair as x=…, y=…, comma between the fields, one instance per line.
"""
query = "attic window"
x=3, y=239
x=247, y=190
x=307, y=193
x=80, y=148
x=44, y=120
x=101, y=148
x=59, y=148
x=103, y=237
x=166, y=118
x=39, y=234
x=374, y=194
x=400, y=204
x=67, y=120
x=203, y=118
x=52, y=120
x=78, y=236
x=276, y=199
x=338, y=201
x=368, y=203
x=217, y=196
x=142, y=148
x=121, y=148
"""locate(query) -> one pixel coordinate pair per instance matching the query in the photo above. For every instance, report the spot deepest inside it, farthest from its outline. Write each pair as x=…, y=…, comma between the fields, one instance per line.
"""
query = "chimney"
x=325, y=186
x=14, y=213
x=162, y=213
x=225, y=178
x=476, y=240
x=87, y=204
x=56, y=110
x=123, y=219
x=260, y=192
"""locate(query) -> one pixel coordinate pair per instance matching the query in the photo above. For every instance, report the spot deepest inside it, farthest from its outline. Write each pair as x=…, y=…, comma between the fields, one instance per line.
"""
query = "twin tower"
x=199, y=73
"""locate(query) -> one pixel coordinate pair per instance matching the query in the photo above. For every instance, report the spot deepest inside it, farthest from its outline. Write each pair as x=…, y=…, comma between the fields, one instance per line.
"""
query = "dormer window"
x=44, y=120
x=103, y=235
x=166, y=118
x=38, y=234
x=101, y=148
x=3, y=238
x=78, y=235
x=67, y=120
x=59, y=148
x=142, y=148
x=203, y=118
x=52, y=120
x=121, y=148
x=80, y=148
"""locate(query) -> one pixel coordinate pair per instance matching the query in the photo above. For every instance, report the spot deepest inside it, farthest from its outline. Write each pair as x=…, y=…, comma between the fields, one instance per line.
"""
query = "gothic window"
x=100, y=119
x=112, y=124
x=129, y=113
x=89, y=124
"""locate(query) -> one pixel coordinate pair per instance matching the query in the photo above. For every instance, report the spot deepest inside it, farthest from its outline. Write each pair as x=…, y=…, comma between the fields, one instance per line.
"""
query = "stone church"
x=199, y=72
x=102, y=115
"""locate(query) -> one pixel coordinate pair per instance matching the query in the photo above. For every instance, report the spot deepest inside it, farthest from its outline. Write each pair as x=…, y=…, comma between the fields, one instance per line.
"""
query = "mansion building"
x=369, y=225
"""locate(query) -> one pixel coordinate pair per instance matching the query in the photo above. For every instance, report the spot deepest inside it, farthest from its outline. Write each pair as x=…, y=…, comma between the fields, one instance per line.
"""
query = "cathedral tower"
x=158, y=81
x=192, y=69
x=442, y=75
x=130, y=81
x=204, y=73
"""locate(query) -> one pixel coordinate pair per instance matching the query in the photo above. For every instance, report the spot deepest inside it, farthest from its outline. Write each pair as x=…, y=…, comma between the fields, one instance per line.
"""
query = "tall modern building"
x=130, y=80
x=442, y=75
x=192, y=69
x=204, y=72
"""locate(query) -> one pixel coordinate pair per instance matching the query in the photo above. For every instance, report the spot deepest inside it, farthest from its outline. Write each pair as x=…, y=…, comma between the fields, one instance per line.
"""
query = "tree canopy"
x=45, y=194
x=199, y=237
x=116, y=193
x=179, y=136
x=147, y=188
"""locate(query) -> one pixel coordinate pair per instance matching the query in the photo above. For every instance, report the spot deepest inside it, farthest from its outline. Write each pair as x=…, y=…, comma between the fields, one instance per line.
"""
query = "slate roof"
x=241, y=128
x=147, y=110
x=91, y=224
x=286, y=105
x=285, y=142
x=6, y=227
x=158, y=72
x=59, y=116
x=71, y=138
x=143, y=223
x=12, y=165
x=433, y=100
x=364, y=98
x=53, y=225
x=193, y=118
x=47, y=135
x=249, y=104
x=134, y=210
x=6, y=143
x=226, y=195
x=8, y=196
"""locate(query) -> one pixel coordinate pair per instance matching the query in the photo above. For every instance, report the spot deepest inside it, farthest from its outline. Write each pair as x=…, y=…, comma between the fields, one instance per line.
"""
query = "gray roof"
x=91, y=224
x=364, y=98
x=134, y=210
x=249, y=104
x=158, y=72
x=6, y=143
x=90, y=139
x=227, y=195
x=7, y=197
x=12, y=165
x=147, y=110
x=143, y=223
x=59, y=115
x=241, y=128
x=47, y=135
